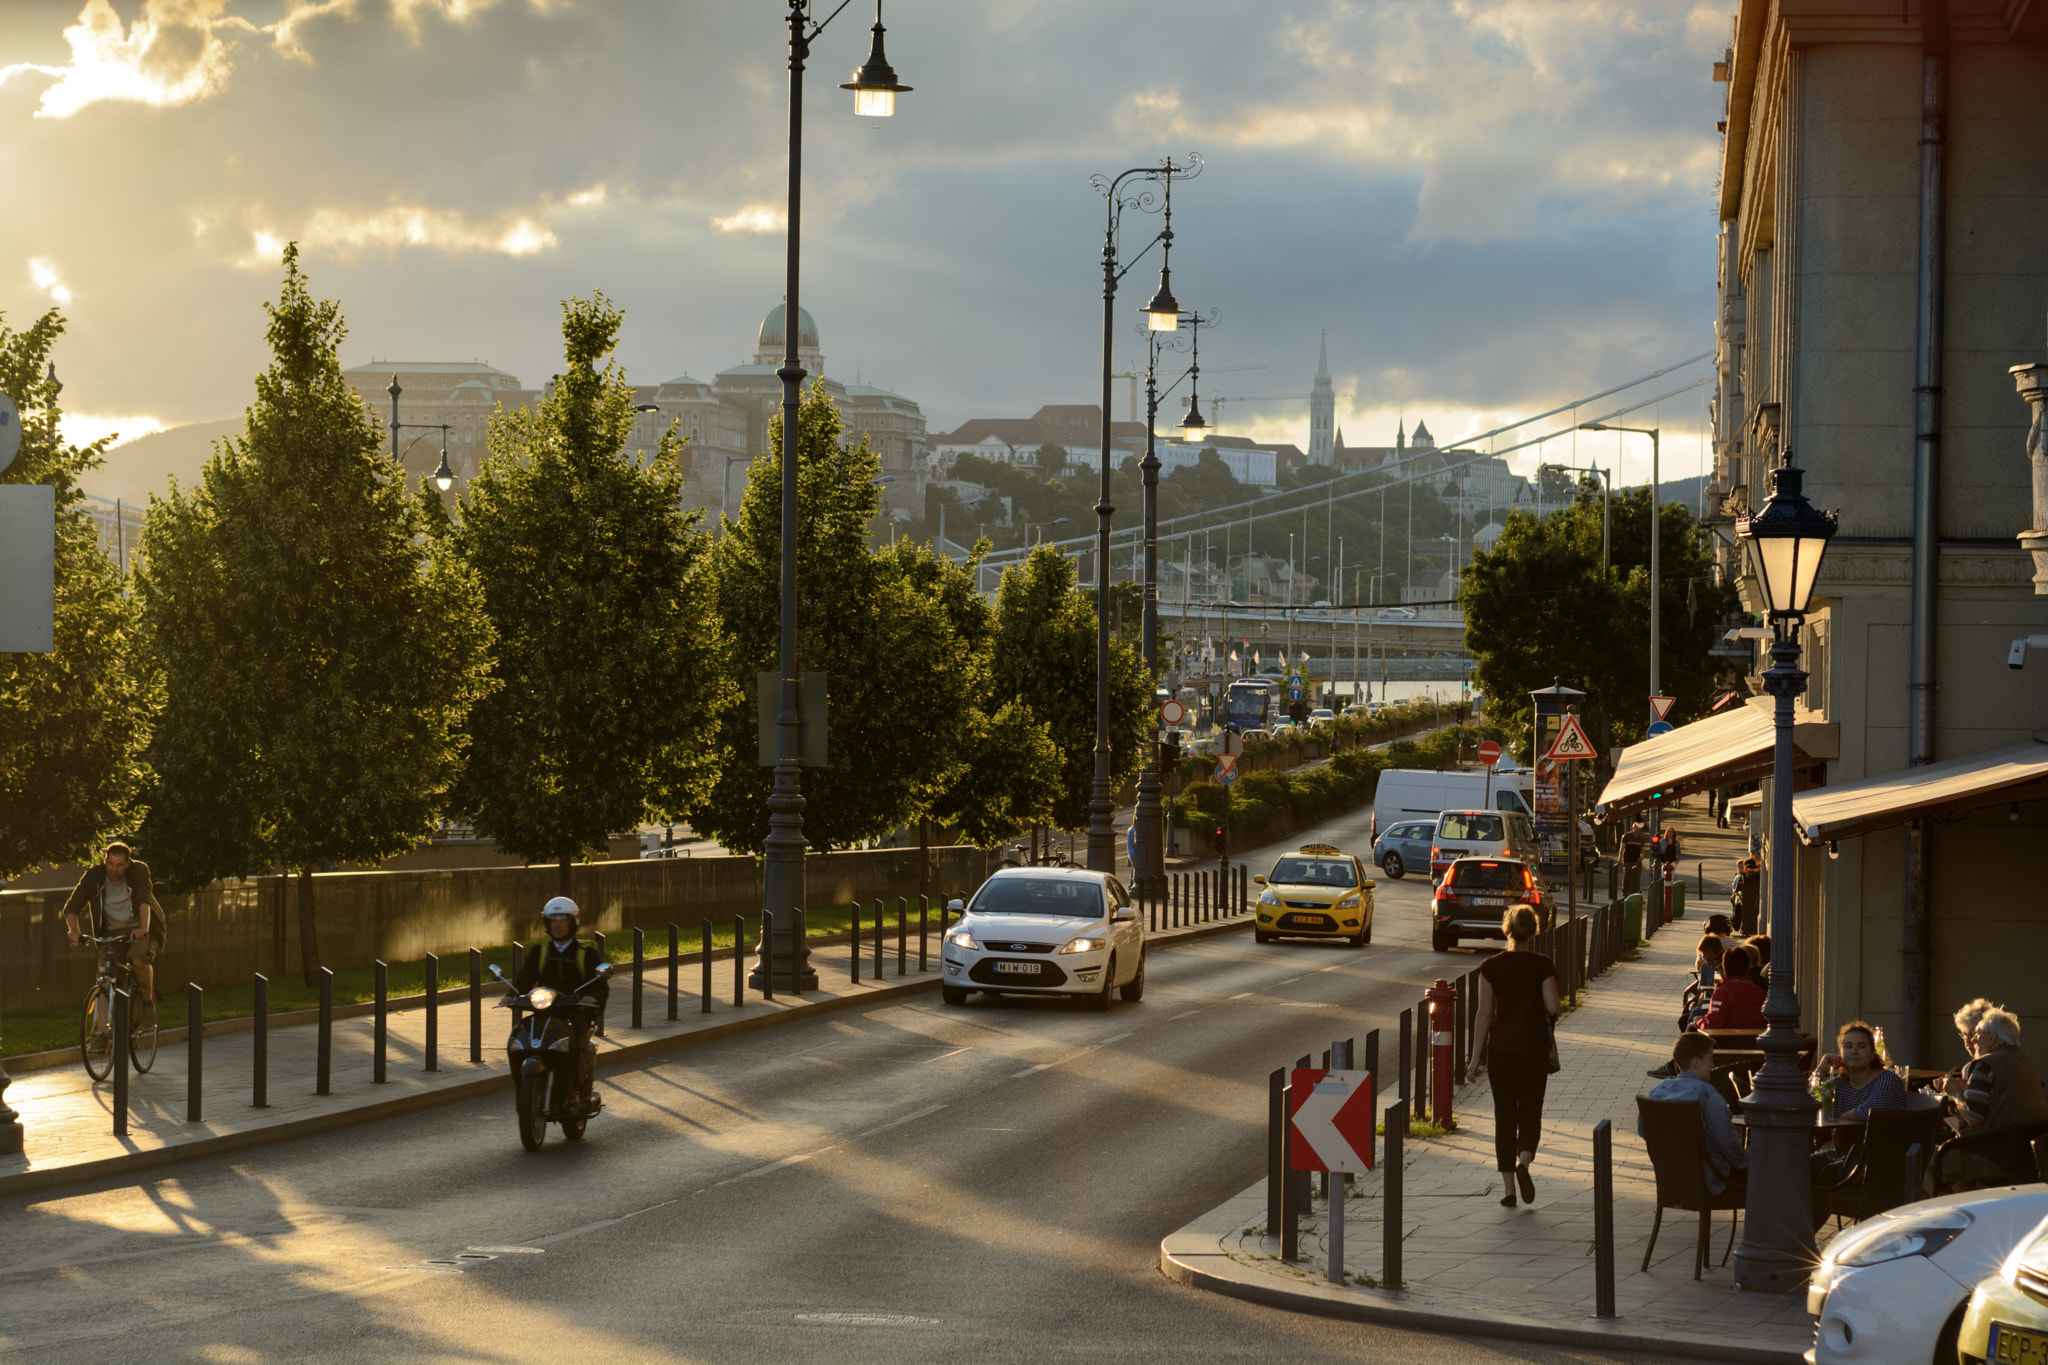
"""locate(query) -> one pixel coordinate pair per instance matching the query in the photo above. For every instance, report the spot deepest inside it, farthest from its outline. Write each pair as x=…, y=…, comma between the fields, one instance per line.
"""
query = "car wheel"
x=1394, y=867
x=1099, y=1001
x=1365, y=936
x=1134, y=990
x=1442, y=942
x=1261, y=936
x=1357, y=940
x=952, y=995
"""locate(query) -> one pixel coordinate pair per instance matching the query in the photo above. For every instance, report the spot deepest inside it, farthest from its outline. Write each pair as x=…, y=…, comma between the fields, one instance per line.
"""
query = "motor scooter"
x=551, y=1081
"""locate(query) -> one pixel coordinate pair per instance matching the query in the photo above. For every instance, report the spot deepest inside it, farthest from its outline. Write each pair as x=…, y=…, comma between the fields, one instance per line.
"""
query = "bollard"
x=1407, y=1041
x=433, y=1056
x=1418, y=1094
x=739, y=961
x=1276, y=1149
x=195, y=1048
x=924, y=934
x=380, y=1025
x=323, y=1064
x=1304, y=1182
x=881, y=937
x=1339, y=1182
x=675, y=957
x=1603, y=1218
x=854, y=958
x=121, y=1007
x=259, y=1040
x=1390, y=1195
x=476, y=1007
x=1154, y=920
x=767, y=954
x=1440, y=999
x=639, y=972
x=902, y=933
x=1372, y=1059
x=705, y=959
x=1290, y=1229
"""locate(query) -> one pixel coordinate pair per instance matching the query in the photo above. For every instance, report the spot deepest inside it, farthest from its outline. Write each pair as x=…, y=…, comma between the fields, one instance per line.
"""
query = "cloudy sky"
x=1492, y=206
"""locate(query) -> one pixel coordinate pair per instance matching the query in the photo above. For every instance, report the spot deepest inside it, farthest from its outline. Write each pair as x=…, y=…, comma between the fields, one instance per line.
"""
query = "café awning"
x=1743, y=804
x=1733, y=746
x=2016, y=773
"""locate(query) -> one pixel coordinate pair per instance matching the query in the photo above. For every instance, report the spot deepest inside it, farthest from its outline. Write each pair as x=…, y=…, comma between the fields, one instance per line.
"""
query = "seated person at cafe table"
x=1861, y=1083
x=1998, y=1088
x=1724, y=1160
x=1738, y=1002
x=1759, y=946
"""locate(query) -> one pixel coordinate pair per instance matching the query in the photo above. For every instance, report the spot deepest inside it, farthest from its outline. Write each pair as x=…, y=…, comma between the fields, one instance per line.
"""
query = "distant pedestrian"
x=1632, y=858
x=1517, y=1010
x=1748, y=885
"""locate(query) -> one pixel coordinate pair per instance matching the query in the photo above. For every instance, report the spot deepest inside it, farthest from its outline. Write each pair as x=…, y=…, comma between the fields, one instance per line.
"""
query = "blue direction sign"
x=1660, y=727
x=1294, y=693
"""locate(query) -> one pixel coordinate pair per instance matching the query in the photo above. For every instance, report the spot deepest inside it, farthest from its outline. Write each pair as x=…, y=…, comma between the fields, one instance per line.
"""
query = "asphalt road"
x=899, y=1184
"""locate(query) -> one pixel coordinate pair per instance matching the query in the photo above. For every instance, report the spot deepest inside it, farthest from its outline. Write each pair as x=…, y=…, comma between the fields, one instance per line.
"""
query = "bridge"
x=1343, y=643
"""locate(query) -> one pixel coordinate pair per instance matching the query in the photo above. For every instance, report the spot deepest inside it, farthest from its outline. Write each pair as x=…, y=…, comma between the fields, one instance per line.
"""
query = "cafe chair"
x=1732, y=1082
x=2010, y=1149
x=1673, y=1133
x=1881, y=1177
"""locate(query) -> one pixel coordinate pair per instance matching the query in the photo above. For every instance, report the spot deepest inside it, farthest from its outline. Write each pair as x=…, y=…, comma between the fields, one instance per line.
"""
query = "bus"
x=1253, y=703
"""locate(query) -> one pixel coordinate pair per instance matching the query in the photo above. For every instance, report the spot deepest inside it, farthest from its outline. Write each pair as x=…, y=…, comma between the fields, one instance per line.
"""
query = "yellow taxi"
x=1317, y=891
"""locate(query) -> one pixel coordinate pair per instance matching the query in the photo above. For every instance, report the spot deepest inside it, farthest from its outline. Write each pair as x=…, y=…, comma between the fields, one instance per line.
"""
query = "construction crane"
x=1217, y=401
x=1135, y=375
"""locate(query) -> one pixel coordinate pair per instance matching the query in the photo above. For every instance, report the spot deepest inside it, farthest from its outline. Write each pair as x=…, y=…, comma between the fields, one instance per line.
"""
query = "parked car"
x=1482, y=834
x=1046, y=931
x=2007, y=1316
x=1317, y=891
x=1476, y=892
x=1403, y=847
x=1898, y=1287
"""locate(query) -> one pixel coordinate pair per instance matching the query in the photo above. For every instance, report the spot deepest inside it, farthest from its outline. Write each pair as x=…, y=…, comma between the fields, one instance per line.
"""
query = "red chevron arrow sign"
x=1333, y=1120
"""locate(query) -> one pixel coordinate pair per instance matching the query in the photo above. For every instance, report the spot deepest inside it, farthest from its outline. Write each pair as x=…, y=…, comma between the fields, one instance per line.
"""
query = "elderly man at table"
x=1725, y=1161
x=1999, y=1089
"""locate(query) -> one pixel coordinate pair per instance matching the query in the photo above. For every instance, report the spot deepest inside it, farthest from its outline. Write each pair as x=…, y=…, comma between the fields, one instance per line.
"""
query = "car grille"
x=1307, y=922
x=984, y=973
x=1307, y=905
x=993, y=946
x=2032, y=1281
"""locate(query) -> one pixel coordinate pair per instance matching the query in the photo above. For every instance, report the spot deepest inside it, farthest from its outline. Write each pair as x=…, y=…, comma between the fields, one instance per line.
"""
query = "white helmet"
x=562, y=906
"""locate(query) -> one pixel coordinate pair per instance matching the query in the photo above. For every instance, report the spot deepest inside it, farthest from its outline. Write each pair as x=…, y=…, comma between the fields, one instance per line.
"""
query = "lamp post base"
x=1148, y=867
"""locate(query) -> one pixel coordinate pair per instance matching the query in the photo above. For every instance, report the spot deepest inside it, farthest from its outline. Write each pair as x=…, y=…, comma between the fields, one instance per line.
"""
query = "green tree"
x=899, y=632
x=317, y=645
x=1045, y=657
x=73, y=722
x=597, y=584
x=1010, y=780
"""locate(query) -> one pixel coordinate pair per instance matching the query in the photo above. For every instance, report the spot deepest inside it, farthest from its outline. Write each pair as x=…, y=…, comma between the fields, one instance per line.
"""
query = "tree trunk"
x=309, y=938
x=562, y=877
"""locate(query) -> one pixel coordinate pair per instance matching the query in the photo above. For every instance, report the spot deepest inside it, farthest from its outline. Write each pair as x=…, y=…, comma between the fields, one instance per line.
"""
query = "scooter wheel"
x=572, y=1129
x=531, y=1101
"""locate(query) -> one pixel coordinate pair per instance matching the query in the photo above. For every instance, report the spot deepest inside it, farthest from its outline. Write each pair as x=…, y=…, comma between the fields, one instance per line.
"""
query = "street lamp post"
x=1606, y=500
x=1786, y=540
x=1164, y=315
x=942, y=519
x=1656, y=520
x=1031, y=526
x=443, y=476
x=874, y=88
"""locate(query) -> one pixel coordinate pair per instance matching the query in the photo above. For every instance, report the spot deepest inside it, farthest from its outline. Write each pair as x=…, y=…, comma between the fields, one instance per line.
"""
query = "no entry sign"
x=1332, y=1116
x=1489, y=753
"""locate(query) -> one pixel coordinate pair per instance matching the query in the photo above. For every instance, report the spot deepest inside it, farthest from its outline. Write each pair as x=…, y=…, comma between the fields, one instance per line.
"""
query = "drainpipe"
x=1914, y=942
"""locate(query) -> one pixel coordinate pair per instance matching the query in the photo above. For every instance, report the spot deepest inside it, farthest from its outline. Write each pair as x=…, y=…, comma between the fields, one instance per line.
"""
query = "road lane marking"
x=1183, y=1015
x=1116, y=1038
x=943, y=1055
x=1029, y=1069
x=907, y=1118
x=770, y=1168
x=1242, y=995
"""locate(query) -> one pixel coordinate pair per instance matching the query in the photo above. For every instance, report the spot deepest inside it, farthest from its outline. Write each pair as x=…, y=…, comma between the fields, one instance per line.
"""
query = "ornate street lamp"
x=1786, y=541
x=875, y=88
x=443, y=476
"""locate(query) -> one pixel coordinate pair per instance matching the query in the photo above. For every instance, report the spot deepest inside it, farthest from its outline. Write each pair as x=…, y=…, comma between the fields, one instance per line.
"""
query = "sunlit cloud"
x=45, y=276
x=753, y=218
x=172, y=54
x=340, y=232
x=83, y=428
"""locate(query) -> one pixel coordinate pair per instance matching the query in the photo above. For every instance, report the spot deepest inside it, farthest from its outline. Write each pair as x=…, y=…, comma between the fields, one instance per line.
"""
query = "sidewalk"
x=1474, y=1268
x=67, y=1120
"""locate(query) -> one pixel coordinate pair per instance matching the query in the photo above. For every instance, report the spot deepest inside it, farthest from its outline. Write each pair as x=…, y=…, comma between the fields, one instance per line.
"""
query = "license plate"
x=2017, y=1345
x=1489, y=900
x=1018, y=968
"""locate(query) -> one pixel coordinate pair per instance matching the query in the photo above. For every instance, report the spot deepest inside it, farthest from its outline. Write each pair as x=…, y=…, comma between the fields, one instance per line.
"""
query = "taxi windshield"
x=1072, y=897
x=1314, y=872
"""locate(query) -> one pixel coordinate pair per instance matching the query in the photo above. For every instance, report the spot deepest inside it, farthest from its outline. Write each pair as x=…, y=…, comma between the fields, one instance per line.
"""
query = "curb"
x=31, y=1181
x=1180, y=1254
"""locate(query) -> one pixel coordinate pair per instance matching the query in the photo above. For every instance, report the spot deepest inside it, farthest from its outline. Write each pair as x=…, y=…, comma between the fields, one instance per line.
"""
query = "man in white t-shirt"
x=119, y=895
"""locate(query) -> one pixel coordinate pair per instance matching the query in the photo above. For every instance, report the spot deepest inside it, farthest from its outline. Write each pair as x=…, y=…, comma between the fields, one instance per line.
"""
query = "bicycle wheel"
x=96, y=1031
x=141, y=1042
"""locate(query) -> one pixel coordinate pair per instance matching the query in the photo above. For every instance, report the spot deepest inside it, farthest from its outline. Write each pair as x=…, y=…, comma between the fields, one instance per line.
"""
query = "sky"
x=1491, y=207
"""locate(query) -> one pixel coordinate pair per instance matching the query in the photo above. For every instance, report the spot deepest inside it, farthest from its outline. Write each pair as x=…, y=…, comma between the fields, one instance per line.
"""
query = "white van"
x=1420, y=794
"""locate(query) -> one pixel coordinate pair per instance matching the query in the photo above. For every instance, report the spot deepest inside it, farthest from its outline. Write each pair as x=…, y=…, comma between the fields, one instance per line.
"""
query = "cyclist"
x=563, y=963
x=119, y=891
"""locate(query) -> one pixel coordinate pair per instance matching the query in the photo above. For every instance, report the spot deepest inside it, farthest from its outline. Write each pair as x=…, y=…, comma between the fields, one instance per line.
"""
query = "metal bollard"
x=1276, y=1149
x=705, y=958
x=739, y=961
x=259, y=1039
x=1372, y=1061
x=767, y=954
x=1407, y=1042
x=924, y=934
x=902, y=933
x=433, y=1052
x=1603, y=1218
x=122, y=1005
x=195, y=1048
x=1418, y=1094
x=639, y=973
x=853, y=959
x=476, y=1007
x=1390, y=1195
x=380, y=1024
x=1290, y=1227
x=881, y=936
x=323, y=1064
x=675, y=957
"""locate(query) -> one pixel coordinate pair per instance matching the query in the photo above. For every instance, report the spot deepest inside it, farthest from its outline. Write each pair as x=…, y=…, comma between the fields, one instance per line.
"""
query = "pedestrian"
x=1632, y=857
x=1517, y=1011
x=1748, y=885
x=120, y=896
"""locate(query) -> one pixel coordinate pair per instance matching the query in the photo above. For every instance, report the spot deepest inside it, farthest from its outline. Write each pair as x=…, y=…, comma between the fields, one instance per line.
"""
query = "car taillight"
x=1436, y=855
x=1374, y=836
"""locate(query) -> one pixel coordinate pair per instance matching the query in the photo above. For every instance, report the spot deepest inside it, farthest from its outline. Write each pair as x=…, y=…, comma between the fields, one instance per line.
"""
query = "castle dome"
x=771, y=330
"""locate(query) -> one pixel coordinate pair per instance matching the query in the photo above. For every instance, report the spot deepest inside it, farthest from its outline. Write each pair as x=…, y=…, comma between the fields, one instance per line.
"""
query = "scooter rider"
x=562, y=964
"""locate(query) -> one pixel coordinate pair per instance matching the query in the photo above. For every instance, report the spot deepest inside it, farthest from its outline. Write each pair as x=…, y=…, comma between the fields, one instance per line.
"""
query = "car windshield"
x=1465, y=825
x=1470, y=875
x=1314, y=872
x=1073, y=897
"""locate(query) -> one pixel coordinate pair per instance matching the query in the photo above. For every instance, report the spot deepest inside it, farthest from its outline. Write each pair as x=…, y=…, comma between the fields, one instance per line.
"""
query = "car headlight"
x=1350, y=903
x=1899, y=1238
x=1268, y=898
x=1084, y=944
x=960, y=938
x=540, y=997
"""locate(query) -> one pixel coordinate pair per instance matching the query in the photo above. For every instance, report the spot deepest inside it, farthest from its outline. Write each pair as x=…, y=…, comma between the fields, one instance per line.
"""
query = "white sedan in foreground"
x=1892, y=1289
x=1047, y=931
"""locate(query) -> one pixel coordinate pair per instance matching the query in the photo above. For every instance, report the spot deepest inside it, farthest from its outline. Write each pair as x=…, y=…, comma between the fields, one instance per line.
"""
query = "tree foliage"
x=596, y=583
x=73, y=722
x=899, y=632
x=318, y=648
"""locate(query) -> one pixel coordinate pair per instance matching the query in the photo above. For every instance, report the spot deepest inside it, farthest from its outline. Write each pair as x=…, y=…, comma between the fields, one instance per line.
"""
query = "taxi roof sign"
x=1322, y=850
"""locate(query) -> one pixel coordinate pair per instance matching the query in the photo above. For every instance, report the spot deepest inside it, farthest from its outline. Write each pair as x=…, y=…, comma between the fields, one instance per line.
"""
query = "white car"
x=1892, y=1289
x=1397, y=613
x=1047, y=931
x=1322, y=715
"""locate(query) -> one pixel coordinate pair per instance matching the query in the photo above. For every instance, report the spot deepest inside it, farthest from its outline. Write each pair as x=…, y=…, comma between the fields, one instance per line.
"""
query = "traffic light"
x=1169, y=752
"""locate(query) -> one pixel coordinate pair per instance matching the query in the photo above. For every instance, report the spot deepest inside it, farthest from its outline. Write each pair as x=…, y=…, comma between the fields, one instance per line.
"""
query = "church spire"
x=1322, y=408
x=1323, y=358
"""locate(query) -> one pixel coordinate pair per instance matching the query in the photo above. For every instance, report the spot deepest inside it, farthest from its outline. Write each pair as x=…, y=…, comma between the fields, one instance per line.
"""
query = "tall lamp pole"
x=443, y=476
x=1786, y=542
x=1165, y=317
x=1656, y=525
x=942, y=519
x=875, y=89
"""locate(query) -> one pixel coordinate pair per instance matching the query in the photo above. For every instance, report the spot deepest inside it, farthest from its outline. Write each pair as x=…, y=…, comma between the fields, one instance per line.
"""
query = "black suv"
x=1476, y=892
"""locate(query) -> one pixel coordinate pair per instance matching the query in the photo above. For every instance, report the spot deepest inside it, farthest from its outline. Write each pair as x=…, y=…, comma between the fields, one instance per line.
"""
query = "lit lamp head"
x=1786, y=542
x=1194, y=426
x=443, y=476
x=1163, y=311
x=874, y=85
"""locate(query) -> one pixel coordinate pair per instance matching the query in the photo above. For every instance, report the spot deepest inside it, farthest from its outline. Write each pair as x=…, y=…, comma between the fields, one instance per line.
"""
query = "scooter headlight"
x=540, y=997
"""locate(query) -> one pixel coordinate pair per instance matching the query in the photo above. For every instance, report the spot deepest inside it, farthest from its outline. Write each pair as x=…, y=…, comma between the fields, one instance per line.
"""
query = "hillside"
x=135, y=469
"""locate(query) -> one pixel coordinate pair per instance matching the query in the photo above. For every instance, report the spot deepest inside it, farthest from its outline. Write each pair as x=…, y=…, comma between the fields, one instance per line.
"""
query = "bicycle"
x=96, y=1022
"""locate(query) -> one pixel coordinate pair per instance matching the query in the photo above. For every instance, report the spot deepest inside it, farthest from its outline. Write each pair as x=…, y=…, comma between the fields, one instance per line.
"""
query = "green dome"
x=771, y=330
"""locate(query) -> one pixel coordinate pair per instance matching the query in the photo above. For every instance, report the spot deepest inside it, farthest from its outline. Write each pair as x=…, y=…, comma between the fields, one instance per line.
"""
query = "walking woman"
x=1517, y=1005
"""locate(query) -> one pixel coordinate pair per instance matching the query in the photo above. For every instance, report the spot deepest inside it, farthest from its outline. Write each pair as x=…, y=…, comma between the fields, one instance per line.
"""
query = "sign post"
x=1331, y=1120
x=1489, y=754
x=1571, y=747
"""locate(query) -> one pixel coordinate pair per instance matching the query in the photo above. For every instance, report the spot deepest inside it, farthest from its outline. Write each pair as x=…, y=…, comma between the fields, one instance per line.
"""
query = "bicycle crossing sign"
x=1571, y=741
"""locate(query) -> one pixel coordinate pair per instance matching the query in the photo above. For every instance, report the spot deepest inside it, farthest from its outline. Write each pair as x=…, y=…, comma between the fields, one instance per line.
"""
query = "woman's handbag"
x=1551, y=1064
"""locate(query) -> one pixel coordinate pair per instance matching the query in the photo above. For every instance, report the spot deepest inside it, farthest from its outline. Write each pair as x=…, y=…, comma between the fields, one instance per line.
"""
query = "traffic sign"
x=1226, y=769
x=1571, y=742
x=1333, y=1120
x=1489, y=752
x=1660, y=707
x=1661, y=727
x=1172, y=713
x=10, y=430
x=1294, y=692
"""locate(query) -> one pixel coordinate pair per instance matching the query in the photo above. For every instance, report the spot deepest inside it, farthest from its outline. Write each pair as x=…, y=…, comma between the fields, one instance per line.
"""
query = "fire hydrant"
x=1441, y=997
